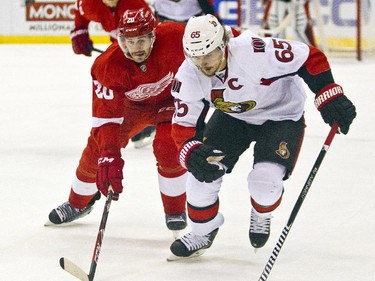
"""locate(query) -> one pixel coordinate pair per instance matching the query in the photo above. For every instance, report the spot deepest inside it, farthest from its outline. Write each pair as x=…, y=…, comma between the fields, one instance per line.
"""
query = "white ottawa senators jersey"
x=260, y=82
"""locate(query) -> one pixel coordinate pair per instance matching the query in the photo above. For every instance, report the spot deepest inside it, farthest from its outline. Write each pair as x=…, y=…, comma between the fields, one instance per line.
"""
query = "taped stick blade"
x=73, y=269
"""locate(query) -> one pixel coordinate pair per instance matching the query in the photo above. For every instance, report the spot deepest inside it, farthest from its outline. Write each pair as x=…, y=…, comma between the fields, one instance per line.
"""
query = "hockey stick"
x=75, y=270
x=92, y=48
x=283, y=25
x=320, y=24
x=271, y=261
x=97, y=50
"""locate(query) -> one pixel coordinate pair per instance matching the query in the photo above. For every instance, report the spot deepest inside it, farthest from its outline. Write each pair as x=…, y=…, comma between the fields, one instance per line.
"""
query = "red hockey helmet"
x=136, y=23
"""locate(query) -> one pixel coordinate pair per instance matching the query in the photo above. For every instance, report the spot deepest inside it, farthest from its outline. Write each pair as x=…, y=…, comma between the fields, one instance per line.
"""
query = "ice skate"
x=260, y=225
x=144, y=138
x=176, y=223
x=191, y=245
x=66, y=213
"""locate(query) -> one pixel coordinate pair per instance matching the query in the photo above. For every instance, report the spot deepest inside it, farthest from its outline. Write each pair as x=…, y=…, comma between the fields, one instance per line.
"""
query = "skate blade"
x=49, y=223
x=144, y=142
x=176, y=234
x=64, y=224
x=177, y=258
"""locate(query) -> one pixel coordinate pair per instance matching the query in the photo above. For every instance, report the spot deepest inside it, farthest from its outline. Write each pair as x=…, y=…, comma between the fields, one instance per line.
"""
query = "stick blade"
x=73, y=269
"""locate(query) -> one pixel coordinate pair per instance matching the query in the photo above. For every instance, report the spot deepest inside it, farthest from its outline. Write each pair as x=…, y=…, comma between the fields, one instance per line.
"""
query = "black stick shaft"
x=271, y=261
x=97, y=50
x=92, y=48
x=99, y=238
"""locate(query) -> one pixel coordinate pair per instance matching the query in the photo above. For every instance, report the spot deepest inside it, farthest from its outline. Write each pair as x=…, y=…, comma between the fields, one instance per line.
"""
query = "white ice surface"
x=45, y=118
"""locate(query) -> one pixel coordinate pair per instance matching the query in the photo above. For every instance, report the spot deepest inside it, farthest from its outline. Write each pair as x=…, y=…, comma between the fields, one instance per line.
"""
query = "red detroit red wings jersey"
x=148, y=82
x=97, y=11
x=119, y=82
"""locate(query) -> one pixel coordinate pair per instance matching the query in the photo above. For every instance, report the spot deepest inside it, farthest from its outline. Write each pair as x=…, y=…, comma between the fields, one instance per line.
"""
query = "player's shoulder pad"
x=169, y=39
x=89, y=7
x=248, y=42
x=112, y=52
x=110, y=65
x=231, y=31
x=187, y=85
x=168, y=28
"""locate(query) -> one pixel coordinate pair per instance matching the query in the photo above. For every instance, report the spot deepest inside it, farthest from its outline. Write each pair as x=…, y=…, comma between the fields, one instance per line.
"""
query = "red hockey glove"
x=81, y=42
x=335, y=106
x=110, y=173
x=202, y=161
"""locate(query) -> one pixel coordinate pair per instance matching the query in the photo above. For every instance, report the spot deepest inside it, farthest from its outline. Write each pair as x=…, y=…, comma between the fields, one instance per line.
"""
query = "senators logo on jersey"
x=283, y=150
x=217, y=99
x=258, y=44
x=234, y=107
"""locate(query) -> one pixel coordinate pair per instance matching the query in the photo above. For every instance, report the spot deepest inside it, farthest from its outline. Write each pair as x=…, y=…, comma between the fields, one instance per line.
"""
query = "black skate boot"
x=191, y=245
x=176, y=222
x=144, y=138
x=260, y=225
x=67, y=213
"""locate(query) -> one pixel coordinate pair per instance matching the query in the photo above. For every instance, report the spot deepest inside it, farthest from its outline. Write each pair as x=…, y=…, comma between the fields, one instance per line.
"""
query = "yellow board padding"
x=63, y=39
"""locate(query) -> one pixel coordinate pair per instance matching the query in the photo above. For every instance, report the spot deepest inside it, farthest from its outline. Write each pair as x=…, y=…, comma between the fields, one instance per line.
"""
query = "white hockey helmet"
x=202, y=35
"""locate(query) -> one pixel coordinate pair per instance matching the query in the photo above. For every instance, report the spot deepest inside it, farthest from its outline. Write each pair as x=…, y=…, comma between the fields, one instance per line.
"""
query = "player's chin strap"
x=221, y=66
x=223, y=61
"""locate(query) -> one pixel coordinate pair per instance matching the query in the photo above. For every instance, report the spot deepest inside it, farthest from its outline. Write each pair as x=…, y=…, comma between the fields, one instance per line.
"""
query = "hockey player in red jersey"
x=106, y=12
x=131, y=89
x=256, y=87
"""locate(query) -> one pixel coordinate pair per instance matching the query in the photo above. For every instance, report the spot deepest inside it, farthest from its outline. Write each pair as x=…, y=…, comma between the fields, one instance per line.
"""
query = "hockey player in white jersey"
x=256, y=86
x=181, y=10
